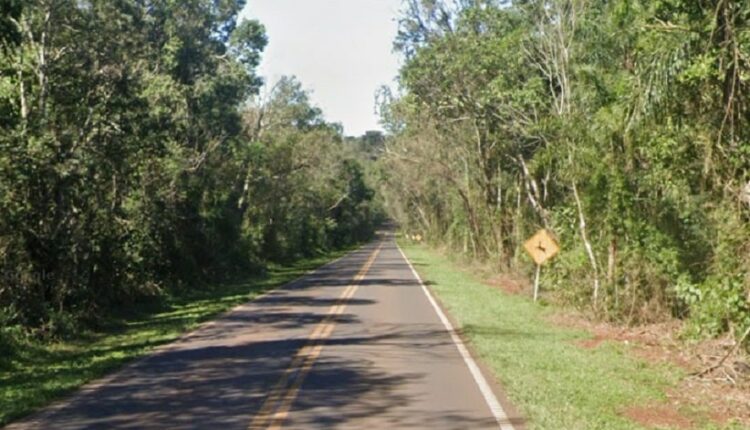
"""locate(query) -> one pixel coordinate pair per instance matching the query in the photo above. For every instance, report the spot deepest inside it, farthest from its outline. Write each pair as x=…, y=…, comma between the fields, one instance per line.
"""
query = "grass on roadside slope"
x=42, y=373
x=556, y=384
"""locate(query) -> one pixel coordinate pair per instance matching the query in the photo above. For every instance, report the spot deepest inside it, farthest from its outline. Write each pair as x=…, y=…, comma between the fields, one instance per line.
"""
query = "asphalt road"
x=357, y=344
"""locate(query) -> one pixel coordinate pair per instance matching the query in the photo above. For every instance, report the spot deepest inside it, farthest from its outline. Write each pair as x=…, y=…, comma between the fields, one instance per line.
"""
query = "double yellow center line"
x=276, y=407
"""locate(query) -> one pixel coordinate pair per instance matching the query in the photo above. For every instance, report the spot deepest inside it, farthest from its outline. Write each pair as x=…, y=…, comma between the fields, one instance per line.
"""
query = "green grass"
x=42, y=372
x=556, y=384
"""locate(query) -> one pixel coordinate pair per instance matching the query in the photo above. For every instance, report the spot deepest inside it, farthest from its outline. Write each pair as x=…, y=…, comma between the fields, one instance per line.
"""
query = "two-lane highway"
x=359, y=343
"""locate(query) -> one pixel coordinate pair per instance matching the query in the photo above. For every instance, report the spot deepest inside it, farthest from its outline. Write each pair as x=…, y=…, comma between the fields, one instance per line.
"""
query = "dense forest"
x=140, y=153
x=620, y=126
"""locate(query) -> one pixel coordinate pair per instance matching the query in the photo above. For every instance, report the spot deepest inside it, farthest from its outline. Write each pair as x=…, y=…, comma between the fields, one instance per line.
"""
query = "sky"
x=341, y=51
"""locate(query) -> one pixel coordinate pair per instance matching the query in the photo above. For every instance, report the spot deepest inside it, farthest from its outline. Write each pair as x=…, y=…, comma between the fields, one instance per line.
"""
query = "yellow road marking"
x=276, y=407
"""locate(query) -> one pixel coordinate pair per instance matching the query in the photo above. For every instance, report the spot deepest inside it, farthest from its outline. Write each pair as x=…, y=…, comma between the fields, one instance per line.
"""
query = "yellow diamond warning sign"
x=542, y=246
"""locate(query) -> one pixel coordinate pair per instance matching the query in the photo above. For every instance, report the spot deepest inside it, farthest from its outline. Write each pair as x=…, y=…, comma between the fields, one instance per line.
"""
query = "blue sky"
x=341, y=50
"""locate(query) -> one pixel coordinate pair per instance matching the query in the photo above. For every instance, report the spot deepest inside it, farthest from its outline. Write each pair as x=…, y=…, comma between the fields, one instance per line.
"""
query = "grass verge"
x=43, y=372
x=555, y=383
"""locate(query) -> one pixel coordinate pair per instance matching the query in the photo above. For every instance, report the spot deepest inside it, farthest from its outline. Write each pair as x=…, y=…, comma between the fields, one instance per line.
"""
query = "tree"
x=127, y=166
x=614, y=124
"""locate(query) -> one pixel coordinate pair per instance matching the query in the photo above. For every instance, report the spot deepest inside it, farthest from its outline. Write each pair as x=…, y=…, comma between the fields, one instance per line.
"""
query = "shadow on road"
x=219, y=376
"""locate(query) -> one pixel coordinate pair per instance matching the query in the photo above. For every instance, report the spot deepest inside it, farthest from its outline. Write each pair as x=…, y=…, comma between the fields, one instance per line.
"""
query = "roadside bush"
x=10, y=335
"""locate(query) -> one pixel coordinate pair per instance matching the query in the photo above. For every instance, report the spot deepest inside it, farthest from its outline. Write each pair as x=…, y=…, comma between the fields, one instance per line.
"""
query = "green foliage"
x=130, y=168
x=10, y=10
x=617, y=125
x=719, y=304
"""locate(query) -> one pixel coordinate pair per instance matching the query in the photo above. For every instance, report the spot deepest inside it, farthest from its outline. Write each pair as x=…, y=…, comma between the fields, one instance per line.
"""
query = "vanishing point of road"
x=358, y=344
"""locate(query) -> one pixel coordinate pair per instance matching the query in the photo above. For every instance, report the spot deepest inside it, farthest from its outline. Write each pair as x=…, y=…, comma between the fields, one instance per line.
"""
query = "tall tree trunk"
x=587, y=243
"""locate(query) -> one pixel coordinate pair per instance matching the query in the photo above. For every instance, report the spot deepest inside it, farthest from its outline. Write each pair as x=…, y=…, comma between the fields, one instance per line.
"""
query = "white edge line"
x=497, y=410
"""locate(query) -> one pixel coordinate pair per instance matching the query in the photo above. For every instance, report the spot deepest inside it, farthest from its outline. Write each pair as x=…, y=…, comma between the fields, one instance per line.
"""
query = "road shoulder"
x=505, y=413
x=555, y=383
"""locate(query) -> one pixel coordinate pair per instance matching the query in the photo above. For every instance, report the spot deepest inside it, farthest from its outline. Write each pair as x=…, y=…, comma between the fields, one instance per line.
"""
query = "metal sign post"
x=536, y=281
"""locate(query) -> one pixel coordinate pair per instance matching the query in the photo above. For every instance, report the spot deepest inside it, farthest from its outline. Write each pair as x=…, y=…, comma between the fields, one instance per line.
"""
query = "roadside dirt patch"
x=721, y=396
x=510, y=283
x=662, y=416
x=654, y=343
x=591, y=343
